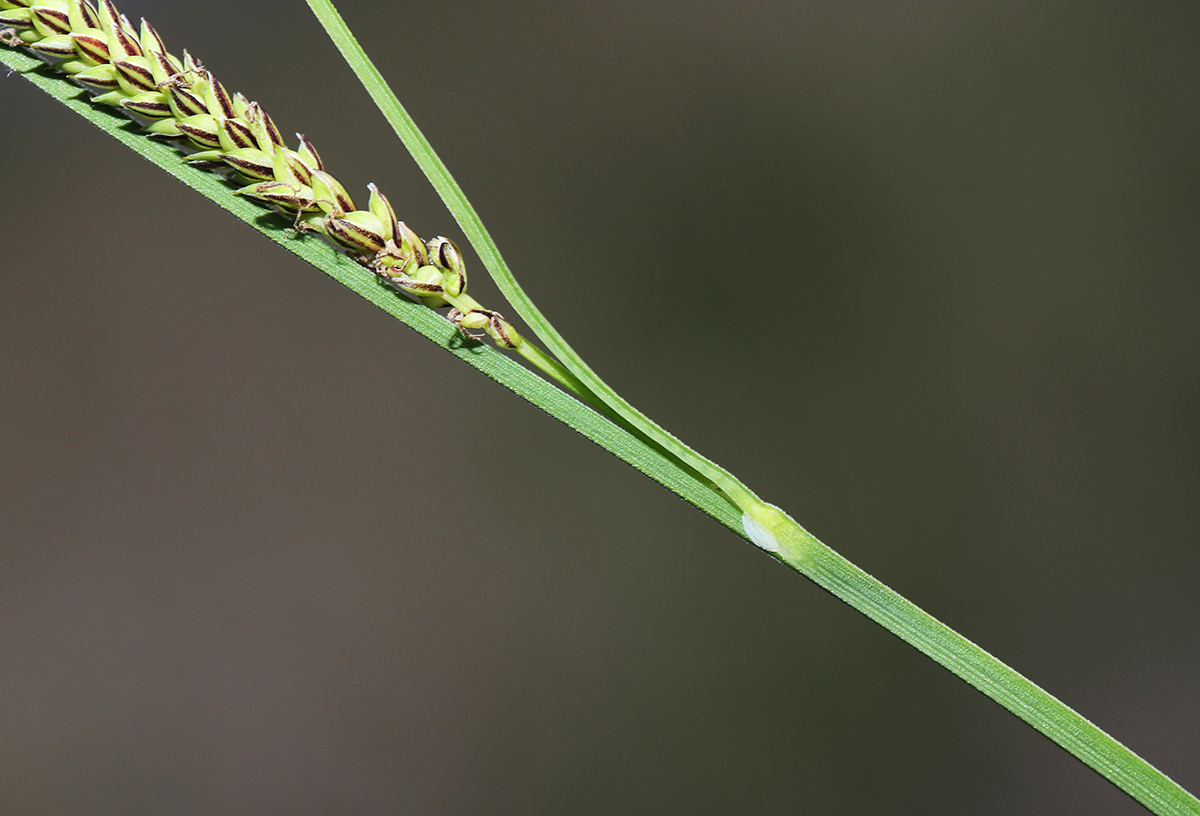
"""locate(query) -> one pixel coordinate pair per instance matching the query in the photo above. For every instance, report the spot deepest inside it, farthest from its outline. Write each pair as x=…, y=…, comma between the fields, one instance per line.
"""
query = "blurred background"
x=925, y=274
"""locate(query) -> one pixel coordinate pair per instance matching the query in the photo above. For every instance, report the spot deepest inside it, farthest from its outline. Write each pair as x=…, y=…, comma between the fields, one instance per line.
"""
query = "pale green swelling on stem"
x=771, y=528
x=819, y=563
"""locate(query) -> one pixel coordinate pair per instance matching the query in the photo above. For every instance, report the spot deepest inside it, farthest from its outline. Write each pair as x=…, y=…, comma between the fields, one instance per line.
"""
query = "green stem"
x=611, y=436
x=472, y=226
x=554, y=369
x=1022, y=697
x=549, y=366
x=768, y=526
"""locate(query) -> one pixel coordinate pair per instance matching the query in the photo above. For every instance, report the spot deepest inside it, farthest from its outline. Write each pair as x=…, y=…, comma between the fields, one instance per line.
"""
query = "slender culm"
x=179, y=100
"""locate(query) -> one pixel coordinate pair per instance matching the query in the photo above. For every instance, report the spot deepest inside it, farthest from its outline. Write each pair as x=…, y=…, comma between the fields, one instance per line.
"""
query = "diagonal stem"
x=770, y=527
x=472, y=226
x=767, y=526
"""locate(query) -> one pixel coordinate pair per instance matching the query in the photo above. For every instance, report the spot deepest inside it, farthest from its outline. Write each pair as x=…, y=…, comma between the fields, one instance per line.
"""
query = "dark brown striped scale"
x=276, y=137
x=166, y=67
x=343, y=201
x=253, y=170
x=353, y=236
x=127, y=42
x=149, y=33
x=20, y=19
x=414, y=285
x=148, y=106
x=238, y=132
x=391, y=226
x=288, y=196
x=102, y=81
x=201, y=137
x=91, y=18
x=438, y=256
x=110, y=18
x=406, y=235
x=186, y=103
x=136, y=74
x=58, y=47
x=224, y=103
x=306, y=145
x=51, y=19
x=298, y=167
x=499, y=330
x=91, y=44
x=274, y=140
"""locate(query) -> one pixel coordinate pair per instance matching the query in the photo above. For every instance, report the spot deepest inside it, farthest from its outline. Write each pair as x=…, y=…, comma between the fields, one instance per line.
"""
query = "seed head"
x=130, y=68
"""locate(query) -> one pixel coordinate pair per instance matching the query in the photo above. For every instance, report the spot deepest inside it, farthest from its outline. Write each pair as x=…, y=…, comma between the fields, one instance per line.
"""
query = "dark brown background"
x=924, y=273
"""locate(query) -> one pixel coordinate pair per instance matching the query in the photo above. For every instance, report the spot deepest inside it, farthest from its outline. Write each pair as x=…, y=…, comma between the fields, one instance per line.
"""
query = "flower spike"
x=130, y=69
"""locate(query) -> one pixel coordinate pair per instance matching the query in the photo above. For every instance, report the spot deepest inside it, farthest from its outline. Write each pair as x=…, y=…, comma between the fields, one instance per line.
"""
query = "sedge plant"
x=229, y=149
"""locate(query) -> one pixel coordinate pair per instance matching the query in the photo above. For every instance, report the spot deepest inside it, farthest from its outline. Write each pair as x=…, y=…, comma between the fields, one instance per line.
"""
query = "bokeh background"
x=926, y=274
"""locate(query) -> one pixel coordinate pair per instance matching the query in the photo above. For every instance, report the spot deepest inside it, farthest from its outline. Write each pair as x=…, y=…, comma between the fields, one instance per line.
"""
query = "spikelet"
x=181, y=100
